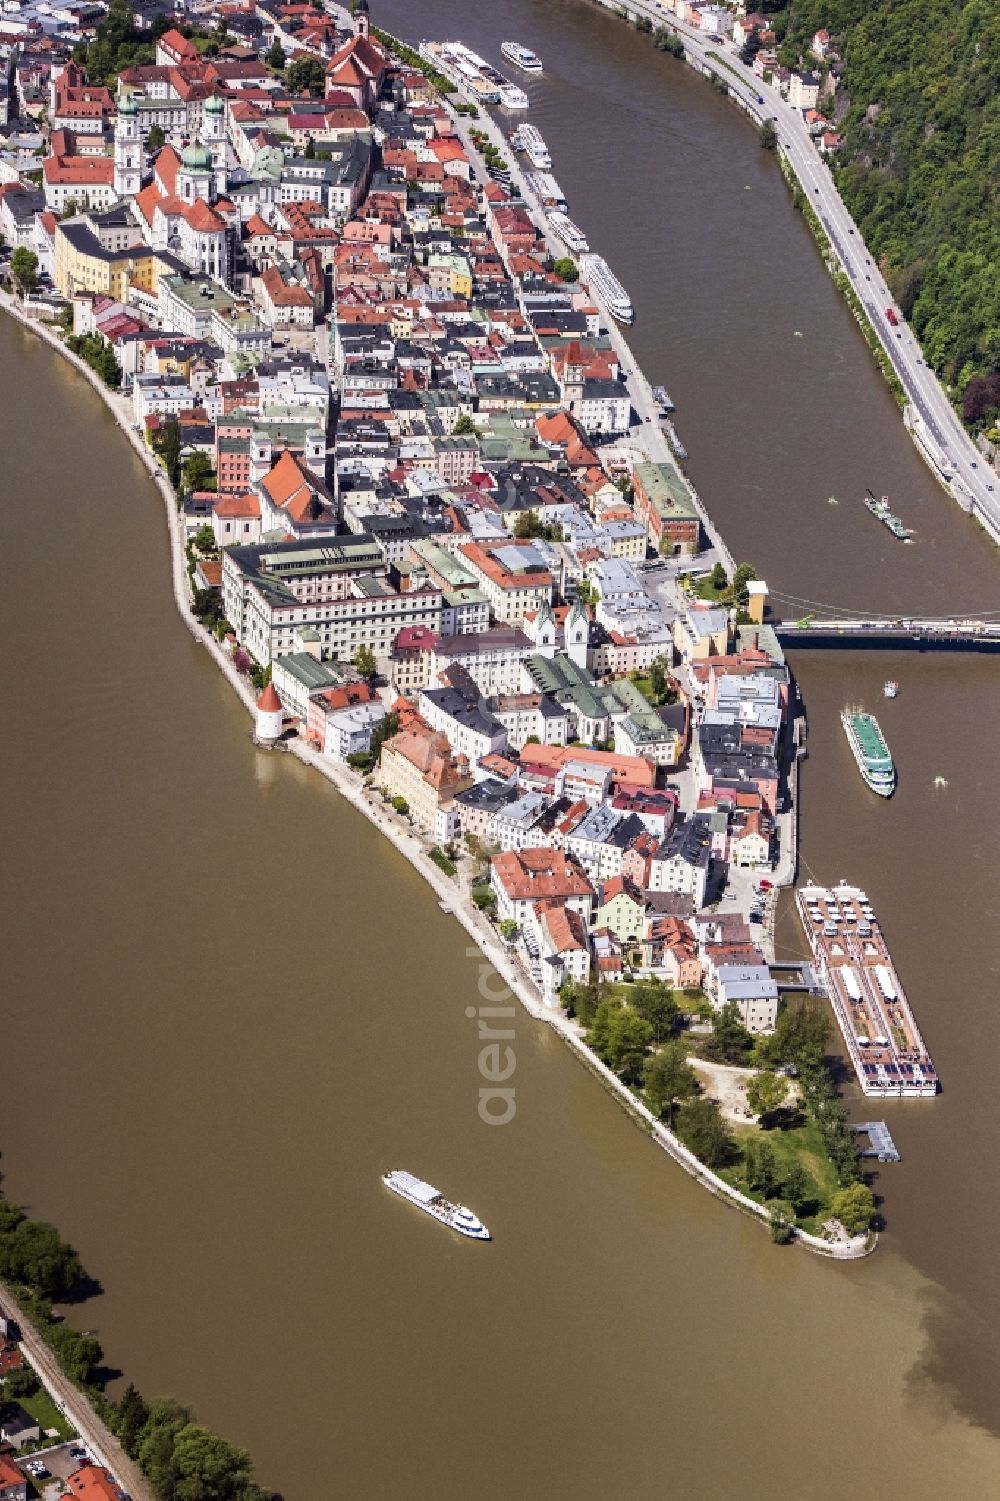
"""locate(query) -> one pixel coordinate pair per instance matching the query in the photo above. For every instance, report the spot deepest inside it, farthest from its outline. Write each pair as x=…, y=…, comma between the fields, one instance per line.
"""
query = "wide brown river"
x=229, y=1006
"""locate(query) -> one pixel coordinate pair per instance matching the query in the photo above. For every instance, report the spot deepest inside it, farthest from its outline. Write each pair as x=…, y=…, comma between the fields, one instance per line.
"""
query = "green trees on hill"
x=918, y=163
x=184, y=1461
x=621, y=1038
x=854, y=1207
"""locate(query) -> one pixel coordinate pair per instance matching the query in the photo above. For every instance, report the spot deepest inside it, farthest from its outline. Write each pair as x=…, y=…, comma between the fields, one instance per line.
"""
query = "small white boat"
x=890, y=688
x=511, y=97
x=521, y=57
x=425, y=1197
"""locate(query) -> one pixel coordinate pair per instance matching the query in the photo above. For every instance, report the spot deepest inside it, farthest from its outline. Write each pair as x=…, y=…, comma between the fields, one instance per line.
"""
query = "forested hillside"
x=920, y=165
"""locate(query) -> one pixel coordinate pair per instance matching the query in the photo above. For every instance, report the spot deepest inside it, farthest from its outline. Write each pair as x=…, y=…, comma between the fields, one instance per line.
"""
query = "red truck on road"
x=890, y=313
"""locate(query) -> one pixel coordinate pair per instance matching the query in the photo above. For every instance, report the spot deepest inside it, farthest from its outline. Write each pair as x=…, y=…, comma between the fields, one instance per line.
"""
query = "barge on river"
x=850, y=955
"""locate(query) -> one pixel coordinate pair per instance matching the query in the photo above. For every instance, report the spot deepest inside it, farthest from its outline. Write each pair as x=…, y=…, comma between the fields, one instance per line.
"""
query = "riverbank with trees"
x=178, y=1456
x=785, y=1146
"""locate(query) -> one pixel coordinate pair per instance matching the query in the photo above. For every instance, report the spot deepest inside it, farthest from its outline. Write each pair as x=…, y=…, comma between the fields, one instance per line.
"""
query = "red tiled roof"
x=92, y=1483
x=82, y=171
x=536, y=873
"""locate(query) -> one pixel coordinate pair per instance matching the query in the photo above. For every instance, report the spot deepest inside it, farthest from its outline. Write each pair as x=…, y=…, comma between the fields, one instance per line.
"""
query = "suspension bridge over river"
x=807, y=623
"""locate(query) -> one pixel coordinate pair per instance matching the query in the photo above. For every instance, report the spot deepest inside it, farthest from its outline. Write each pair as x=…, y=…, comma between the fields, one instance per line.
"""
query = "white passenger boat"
x=874, y=758
x=417, y=1192
x=511, y=97
x=571, y=235
x=534, y=147
x=522, y=57
x=601, y=279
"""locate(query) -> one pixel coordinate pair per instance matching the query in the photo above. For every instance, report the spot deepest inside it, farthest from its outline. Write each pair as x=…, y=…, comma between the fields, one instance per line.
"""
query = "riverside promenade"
x=408, y=844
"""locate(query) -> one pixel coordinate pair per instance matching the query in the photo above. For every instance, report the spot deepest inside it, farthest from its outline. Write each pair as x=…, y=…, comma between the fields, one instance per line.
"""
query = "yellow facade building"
x=85, y=262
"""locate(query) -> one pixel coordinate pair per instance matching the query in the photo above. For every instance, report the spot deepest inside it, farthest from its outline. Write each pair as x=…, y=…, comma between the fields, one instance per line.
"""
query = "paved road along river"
x=230, y=1006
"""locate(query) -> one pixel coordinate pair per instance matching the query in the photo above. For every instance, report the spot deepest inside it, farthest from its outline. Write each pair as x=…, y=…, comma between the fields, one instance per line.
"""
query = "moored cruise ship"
x=852, y=959
x=522, y=57
x=465, y=68
x=873, y=756
x=571, y=235
x=545, y=188
x=601, y=279
x=417, y=1192
x=531, y=143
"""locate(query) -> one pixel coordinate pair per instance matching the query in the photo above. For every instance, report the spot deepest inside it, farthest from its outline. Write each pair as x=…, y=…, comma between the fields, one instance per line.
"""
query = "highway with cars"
x=937, y=428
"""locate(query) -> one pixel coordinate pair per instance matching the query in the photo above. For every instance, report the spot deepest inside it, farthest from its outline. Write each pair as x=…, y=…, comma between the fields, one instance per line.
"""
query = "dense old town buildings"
x=417, y=496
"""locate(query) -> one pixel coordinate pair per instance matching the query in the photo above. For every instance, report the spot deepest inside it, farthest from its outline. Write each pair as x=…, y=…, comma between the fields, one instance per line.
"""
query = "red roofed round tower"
x=269, y=712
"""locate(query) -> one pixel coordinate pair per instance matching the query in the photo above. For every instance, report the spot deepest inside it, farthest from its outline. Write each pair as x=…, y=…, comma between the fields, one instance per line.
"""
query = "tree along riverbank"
x=414, y=850
x=157, y=1451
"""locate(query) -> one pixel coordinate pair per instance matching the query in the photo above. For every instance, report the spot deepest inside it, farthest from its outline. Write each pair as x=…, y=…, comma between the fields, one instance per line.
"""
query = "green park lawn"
x=803, y=1143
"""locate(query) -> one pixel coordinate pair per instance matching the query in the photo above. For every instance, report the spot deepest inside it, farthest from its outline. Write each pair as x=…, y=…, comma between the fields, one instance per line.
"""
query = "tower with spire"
x=213, y=138
x=362, y=18
x=128, y=149
x=577, y=633
x=545, y=631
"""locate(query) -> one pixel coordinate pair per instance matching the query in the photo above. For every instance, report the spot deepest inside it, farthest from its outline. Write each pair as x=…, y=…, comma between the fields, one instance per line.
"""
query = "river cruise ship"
x=521, y=57
x=875, y=763
x=455, y=1216
x=850, y=956
x=529, y=140
x=467, y=70
x=571, y=235
x=601, y=279
x=545, y=188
